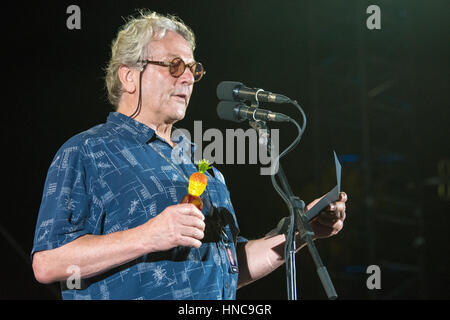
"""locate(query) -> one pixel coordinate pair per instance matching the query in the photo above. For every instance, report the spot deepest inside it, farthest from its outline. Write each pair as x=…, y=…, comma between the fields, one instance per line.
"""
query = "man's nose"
x=187, y=77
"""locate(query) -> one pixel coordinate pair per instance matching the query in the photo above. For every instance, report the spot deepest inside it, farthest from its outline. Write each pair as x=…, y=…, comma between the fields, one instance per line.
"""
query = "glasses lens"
x=177, y=67
x=198, y=71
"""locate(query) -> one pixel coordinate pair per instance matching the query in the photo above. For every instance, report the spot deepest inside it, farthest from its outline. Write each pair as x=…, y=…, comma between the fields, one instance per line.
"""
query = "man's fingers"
x=322, y=230
x=335, y=210
x=334, y=224
x=192, y=233
x=192, y=217
x=190, y=209
x=331, y=220
x=180, y=225
x=327, y=220
x=191, y=221
x=190, y=242
x=190, y=237
x=336, y=206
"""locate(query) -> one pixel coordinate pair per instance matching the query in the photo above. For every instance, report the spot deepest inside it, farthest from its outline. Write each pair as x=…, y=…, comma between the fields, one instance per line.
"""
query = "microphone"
x=236, y=91
x=238, y=112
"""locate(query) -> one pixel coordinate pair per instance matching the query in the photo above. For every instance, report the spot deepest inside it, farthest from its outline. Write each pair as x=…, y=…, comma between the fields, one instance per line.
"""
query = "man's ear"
x=129, y=78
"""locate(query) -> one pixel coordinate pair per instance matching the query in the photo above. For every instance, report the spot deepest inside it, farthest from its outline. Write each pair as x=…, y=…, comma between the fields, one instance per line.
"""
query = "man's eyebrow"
x=173, y=56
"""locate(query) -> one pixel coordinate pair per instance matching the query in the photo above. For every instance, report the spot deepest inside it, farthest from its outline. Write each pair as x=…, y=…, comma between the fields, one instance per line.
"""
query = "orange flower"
x=197, y=184
x=198, y=180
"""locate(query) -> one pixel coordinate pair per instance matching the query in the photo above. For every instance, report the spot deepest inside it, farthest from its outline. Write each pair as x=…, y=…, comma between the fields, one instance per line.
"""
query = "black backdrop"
x=378, y=97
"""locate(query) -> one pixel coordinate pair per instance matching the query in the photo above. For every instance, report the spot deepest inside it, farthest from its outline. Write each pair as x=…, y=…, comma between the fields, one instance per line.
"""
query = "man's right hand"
x=177, y=225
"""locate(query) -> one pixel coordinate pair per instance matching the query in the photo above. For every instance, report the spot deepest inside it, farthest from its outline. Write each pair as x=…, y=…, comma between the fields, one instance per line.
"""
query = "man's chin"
x=178, y=115
x=176, y=111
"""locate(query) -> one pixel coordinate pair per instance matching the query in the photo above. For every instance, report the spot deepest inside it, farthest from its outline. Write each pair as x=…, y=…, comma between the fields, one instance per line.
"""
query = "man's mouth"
x=181, y=97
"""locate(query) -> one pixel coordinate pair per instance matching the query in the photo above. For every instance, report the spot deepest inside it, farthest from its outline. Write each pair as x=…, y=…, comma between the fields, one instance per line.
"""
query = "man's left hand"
x=331, y=220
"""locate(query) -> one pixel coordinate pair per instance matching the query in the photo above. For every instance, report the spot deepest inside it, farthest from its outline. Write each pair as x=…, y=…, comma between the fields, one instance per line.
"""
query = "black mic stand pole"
x=298, y=222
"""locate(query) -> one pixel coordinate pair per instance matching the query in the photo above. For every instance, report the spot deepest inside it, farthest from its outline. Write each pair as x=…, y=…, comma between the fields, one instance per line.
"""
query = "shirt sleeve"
x=66, y=210
x=241, y=239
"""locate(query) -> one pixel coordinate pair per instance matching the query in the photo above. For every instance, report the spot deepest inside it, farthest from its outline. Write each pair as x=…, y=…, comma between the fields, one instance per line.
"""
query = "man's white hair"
x=131, y=45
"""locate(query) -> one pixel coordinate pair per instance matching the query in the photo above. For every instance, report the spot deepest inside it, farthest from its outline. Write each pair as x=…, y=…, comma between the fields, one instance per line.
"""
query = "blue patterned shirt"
x=116, y=176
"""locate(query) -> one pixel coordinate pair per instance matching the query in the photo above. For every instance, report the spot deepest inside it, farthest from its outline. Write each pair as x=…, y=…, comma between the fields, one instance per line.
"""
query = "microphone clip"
x=256, y=97
x=261, y=128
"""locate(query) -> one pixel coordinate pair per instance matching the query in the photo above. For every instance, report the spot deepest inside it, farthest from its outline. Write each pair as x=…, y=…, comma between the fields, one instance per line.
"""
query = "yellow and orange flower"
x=197, y=185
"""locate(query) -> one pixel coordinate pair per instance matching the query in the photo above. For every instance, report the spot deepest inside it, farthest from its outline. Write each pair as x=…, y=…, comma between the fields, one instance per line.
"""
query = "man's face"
x=164, y=96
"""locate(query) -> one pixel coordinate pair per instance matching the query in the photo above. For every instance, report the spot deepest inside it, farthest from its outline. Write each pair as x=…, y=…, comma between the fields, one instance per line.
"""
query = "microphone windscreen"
x=225, y=90
x=226, y=110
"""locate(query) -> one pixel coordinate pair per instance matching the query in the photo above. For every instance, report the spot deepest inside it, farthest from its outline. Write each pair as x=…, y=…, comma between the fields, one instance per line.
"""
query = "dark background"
x=380, y=98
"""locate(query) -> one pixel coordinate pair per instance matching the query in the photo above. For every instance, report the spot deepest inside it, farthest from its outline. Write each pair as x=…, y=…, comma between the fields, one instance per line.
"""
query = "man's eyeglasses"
x=177, y=67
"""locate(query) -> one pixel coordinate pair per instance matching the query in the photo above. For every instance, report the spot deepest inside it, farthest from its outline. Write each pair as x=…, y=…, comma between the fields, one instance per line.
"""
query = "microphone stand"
x=297, y=223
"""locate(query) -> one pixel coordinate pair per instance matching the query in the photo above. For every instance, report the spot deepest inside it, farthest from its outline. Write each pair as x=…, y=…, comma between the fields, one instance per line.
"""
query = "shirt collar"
x=143, y=133
x=131, y=127
x=178, y=137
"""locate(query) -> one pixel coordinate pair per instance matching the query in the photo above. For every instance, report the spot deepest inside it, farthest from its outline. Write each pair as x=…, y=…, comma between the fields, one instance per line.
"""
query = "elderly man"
x=111, y=211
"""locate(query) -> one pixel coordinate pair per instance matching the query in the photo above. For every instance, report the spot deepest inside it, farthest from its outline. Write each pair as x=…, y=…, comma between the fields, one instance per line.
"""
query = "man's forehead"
x=172, y=45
